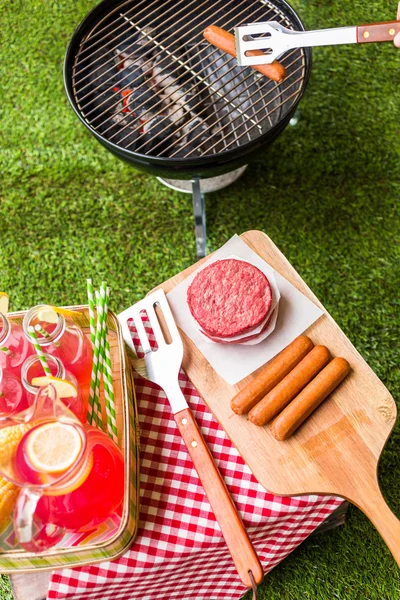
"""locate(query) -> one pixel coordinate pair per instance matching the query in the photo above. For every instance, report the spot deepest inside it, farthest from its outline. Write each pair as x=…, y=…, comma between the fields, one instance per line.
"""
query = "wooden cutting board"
x=337, y=450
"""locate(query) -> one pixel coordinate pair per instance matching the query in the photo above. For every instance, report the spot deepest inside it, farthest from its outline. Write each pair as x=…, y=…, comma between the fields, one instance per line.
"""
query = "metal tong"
x=163, y=366
x=273, y=39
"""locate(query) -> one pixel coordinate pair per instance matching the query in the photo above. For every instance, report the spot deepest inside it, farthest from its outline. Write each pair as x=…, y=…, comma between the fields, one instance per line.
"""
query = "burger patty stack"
x=231, y=301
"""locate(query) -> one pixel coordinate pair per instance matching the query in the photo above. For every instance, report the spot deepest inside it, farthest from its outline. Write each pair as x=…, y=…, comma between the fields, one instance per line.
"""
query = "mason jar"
x=32, y=368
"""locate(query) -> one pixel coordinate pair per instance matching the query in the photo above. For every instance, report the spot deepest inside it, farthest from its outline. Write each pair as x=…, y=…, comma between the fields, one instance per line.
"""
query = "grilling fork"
x=163, y=367
x=273, y=39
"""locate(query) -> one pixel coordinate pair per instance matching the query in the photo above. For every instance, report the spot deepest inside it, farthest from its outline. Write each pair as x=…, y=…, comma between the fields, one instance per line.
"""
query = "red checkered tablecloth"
x=179, y=551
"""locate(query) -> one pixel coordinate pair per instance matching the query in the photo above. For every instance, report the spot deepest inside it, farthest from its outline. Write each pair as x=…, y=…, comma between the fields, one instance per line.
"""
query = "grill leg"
x=199, y=218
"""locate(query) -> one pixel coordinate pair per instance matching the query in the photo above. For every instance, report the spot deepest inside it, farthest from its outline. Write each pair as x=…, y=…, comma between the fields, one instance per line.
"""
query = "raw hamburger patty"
x=229, y=297
x=242, y=340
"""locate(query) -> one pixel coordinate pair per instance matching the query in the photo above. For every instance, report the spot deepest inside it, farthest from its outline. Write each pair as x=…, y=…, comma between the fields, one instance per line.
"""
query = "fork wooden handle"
x=232, y=528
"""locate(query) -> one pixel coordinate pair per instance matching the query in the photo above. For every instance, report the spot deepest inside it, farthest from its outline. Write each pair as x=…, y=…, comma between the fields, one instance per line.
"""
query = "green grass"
x=327, y=193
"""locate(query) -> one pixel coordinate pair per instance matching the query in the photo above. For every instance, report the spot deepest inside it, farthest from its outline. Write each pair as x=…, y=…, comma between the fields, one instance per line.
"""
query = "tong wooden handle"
x=235, y=535
x=225, y=41
x=377, y=32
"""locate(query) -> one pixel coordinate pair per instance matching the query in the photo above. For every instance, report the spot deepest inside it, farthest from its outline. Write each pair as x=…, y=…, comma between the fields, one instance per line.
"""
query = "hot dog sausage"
x=269, y=377
x=225, y=41
x=290, y=386
x=307, y=401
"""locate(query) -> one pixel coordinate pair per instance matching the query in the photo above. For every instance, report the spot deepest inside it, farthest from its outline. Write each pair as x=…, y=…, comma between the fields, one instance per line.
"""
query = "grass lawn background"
x=327, y=193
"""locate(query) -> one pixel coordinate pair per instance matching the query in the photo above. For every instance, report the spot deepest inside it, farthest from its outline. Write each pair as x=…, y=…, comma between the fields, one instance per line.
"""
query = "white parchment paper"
x=233, y=362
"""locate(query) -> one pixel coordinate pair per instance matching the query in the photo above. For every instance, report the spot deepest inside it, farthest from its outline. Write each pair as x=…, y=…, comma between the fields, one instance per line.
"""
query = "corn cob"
x=8, y=497
x=10, y=437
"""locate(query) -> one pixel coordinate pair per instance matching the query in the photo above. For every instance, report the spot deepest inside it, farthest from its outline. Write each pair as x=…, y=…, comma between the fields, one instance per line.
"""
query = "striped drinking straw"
x=92, y=322
x=101, y=360
x=107, y=374
x=94, y=412
x=45, y=334
x=100, y=297
x=39, y=350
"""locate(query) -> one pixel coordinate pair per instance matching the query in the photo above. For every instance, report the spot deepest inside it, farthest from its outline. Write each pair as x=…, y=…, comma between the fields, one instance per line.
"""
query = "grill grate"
x=145, y=79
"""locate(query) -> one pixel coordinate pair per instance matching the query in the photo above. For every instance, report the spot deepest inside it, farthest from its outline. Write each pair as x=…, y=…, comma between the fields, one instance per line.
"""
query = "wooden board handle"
x=378, y=32
x=374, y=506
x=235, y=535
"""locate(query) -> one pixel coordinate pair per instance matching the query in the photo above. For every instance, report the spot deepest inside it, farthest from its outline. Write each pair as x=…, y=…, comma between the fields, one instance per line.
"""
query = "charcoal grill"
x=142, y=79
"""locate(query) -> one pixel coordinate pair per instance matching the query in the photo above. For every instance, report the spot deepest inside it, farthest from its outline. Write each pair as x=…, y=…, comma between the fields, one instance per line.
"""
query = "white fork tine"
x=155, y=325
x=144, y=340
x=147, y=304
x=169, y=319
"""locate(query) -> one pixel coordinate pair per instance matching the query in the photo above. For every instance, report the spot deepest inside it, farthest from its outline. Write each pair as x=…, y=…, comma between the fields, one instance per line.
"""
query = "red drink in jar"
x=32, y=368
x=74, y=478
x=63, y=339
x=100, y=495
x=14, y=347
x=12, y=394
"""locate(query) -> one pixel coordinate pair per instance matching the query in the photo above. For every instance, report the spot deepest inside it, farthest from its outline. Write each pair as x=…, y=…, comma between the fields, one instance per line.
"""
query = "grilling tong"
x=262, y=43
x=163, y=366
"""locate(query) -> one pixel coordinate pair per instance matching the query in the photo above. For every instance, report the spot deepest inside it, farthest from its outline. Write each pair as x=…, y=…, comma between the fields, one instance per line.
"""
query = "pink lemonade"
x=75, y=352
x=98, y=496
x=12, y=394
x=66, y=341
x=26, y=472
x=14, y=347
x=33, y=368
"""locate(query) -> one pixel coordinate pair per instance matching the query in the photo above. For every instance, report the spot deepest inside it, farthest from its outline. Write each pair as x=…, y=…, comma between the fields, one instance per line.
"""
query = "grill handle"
x=243, y=554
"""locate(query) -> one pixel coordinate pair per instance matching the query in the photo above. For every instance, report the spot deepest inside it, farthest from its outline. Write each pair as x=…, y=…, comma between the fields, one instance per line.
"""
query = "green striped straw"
x=45, y=334
x=94, y=404
x=92, y=321
x=39, y=351
x=108, y=380
x=94, y=400
x=100, y=298
x=100, y=301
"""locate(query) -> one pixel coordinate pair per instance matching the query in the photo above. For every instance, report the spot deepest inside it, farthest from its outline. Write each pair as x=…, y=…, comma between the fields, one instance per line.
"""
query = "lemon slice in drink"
x=64, y=388
x=3, y=303
x=66, y=312
x=53, y=447
x=49, y=314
